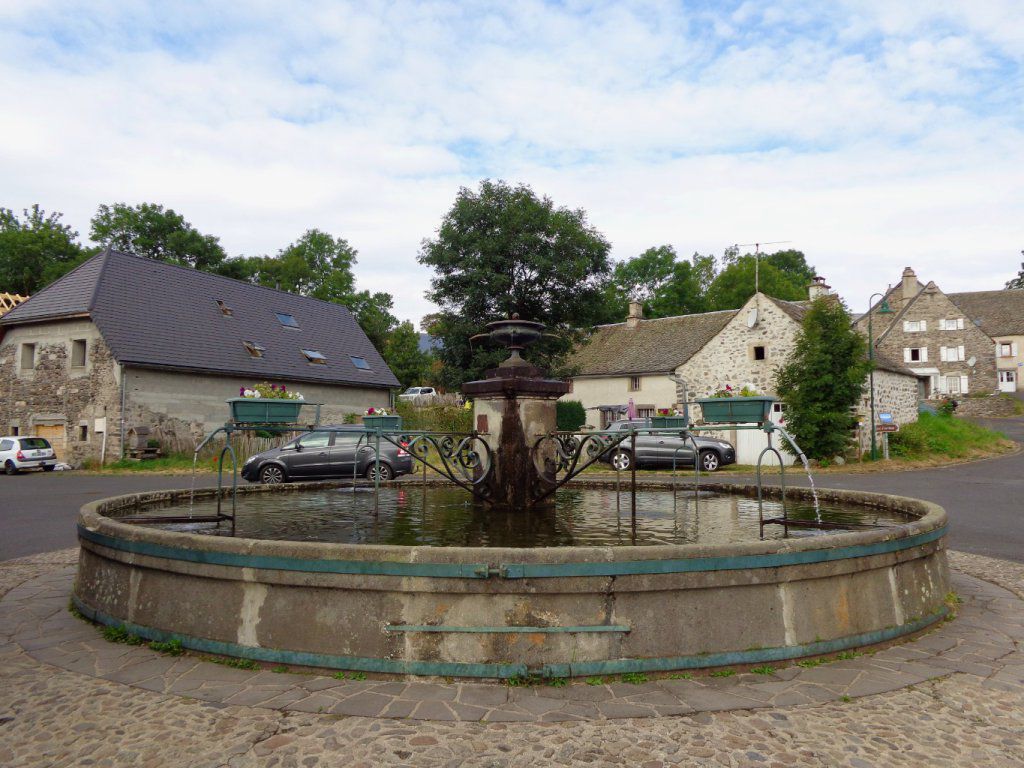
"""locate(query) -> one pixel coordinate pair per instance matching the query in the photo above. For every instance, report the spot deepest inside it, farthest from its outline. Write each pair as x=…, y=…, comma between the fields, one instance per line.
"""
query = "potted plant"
x=667, y=419
x=380, y=419
x=265, y=403
x=727, y=406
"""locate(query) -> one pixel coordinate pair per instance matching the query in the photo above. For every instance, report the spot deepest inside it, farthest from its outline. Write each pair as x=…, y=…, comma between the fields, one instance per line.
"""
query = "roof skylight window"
x=254, y=349
x=288, y=321
x=314, y=357
x=224, y=309
x=359, y=362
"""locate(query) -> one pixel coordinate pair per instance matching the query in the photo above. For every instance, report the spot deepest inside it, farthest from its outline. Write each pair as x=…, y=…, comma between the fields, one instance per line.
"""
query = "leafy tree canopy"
x=784, y=278
x=500, y=250
x=402, y=354
x=823, y=380
x=1017, y=283
x=663, y=283
x=35, y=250
x=317, y=265
x=151, y=230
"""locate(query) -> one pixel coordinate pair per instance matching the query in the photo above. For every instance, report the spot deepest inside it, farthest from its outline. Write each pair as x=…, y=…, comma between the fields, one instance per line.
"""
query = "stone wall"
x=895, y=393
x=68, y=403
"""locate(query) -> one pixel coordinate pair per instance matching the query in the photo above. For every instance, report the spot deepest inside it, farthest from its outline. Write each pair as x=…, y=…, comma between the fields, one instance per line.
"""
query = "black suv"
x=658, y=451
x=327, y=453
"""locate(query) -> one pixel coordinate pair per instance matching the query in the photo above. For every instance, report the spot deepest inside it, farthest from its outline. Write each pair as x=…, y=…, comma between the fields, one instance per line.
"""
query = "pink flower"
x=241, y=391
x=273, y=387
x=283, y=388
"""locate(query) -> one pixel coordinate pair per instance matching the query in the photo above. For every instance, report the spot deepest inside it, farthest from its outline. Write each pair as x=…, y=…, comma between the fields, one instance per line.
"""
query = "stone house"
x=740, y=348
x=125, y=345
x=935, y=338
x=1000, y=314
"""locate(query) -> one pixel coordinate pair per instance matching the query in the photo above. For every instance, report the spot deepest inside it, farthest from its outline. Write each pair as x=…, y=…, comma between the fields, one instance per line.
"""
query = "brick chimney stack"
x=636, y=314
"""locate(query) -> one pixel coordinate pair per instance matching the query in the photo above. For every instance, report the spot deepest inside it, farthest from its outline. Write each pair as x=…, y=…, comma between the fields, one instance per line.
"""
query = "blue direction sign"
x=885, y=418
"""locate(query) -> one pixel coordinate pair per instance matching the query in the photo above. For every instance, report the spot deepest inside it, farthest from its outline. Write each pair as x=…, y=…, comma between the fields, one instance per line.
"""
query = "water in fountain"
x=807, y=468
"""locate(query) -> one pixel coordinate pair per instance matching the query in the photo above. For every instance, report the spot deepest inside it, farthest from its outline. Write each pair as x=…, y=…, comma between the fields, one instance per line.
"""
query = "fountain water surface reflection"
x=447, y=517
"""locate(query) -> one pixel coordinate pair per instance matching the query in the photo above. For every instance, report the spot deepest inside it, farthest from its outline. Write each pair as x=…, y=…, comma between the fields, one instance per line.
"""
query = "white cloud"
x=873, y=136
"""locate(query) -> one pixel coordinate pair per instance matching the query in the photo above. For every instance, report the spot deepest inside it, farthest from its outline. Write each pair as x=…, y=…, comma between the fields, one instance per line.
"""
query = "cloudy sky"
x=872, y=134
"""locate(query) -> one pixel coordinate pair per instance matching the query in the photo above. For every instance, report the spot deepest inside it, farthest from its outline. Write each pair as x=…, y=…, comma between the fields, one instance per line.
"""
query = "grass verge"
x=936, y=436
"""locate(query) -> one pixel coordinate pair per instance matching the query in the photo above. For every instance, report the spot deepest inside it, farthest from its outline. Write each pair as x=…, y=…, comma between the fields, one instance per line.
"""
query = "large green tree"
x=404, y=358
x=35, y=249
x=784, y=275
x=159, y=233
x=663, y=283
x=1017, y=283
x=824, y=379
x=502, y=249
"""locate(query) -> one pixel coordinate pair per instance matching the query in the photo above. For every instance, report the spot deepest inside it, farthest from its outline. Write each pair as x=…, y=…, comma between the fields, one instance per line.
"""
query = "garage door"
x=55, y=433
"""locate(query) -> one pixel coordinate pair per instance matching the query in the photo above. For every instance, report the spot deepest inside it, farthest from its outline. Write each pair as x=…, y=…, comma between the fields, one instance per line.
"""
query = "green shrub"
x=938, y=435
x=570, y=415
x=435, y=418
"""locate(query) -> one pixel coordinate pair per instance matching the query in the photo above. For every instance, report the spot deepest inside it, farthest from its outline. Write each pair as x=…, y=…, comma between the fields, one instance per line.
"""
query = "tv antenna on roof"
x=757, y=258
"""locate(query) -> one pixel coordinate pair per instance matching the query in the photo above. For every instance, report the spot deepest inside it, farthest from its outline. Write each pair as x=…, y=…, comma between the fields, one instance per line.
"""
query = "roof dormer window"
x=254, y=349
x=314, y=357
x=224, y=309
x=288, y=321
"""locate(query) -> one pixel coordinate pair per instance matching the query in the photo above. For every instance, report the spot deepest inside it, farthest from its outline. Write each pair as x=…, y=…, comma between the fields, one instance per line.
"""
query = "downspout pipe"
x=122, y=410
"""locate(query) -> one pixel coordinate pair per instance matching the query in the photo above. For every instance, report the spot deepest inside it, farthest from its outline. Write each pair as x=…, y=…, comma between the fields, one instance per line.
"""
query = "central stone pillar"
x=514, y=406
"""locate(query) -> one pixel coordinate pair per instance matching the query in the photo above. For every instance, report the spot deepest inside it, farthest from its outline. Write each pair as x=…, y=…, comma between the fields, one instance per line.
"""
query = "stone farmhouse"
x=1000, y=314
x=125, y=345
x=949, y=340
x=741, y=348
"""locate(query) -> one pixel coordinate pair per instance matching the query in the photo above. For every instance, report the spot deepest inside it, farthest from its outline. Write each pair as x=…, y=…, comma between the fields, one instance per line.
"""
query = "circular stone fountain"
x=505, y=611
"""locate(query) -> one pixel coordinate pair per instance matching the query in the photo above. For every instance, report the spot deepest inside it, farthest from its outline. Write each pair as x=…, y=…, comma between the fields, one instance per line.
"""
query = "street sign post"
x=886, y=427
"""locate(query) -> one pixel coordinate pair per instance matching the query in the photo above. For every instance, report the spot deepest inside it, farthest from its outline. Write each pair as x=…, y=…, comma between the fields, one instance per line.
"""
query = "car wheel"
x=272, y=475
x=10, y=469
x=49, y=468
x=709, y=461
x=622, y=461
x=385, y=472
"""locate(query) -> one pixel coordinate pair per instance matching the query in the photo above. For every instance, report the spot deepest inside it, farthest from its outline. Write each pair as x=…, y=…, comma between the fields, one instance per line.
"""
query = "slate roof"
x=997, y=313
x=655, y=346
x=795, y=309
x=155, y=314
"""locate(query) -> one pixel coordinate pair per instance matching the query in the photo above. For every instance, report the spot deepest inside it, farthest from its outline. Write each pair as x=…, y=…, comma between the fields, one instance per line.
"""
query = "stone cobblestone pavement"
x=954, y=696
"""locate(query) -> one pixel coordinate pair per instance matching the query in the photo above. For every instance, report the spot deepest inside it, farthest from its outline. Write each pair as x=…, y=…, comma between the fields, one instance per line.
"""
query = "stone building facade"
x=125, y=347
x=934, y=338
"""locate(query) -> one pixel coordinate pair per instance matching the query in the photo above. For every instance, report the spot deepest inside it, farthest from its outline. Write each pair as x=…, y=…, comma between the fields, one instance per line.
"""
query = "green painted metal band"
x=504, y=671
x=729, y=563
x=239, y=560
x=754, y=656
x=506, y=630
x=514, y=570
x=305, y=659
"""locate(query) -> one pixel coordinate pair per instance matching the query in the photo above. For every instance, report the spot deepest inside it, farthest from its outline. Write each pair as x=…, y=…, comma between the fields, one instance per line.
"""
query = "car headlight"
x=250, y=460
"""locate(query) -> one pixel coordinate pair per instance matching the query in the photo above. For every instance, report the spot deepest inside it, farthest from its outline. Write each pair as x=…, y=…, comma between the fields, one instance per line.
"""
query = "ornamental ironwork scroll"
x=463, y=458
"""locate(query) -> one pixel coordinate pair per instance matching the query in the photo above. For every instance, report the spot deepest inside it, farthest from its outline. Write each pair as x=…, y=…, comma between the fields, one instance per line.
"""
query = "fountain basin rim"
x=931, y=519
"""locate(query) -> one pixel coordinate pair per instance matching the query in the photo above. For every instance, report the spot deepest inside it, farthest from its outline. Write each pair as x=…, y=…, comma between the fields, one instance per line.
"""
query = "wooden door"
x=55, y=433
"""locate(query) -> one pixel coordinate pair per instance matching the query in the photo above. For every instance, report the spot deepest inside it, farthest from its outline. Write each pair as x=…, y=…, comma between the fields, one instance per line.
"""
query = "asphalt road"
x=985, y=500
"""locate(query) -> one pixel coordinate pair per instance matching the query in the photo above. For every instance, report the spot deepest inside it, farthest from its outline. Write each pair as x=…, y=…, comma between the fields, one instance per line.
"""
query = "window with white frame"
x=953, y=385
x=951, y=324
x=634, y=383
x=915, y=326
x=1006, y=349
x=951, y=354
x=915, y=354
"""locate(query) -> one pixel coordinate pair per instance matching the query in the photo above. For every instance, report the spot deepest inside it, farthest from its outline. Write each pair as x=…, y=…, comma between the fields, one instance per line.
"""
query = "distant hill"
x=428, y=343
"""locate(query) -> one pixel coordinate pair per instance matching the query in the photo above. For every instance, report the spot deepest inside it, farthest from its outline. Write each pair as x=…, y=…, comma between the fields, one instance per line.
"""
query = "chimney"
x=818, y=288
x=910, y=285
x=636, y=314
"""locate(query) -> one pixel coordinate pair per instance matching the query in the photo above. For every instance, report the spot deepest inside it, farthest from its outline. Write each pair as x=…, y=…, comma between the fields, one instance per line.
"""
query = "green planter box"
x=736, y=410
x=258, y=410
x=668, y=422
x=383, y=423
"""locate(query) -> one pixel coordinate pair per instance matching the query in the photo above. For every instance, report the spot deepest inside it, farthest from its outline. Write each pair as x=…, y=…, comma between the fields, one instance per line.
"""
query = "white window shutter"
x=959, y=323
x=906, y=354
x=924, y=354
x=1013, y=349
x=942, y=354
x=924, y=325
x=906, y=326
x=963, y=385
x=960, y=352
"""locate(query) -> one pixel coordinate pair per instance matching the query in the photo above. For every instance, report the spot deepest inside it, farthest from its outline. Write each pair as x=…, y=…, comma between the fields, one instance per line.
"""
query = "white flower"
x=298, y=396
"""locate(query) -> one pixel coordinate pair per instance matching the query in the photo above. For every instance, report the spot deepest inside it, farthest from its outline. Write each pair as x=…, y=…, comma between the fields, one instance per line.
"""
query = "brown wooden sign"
x=887, y=427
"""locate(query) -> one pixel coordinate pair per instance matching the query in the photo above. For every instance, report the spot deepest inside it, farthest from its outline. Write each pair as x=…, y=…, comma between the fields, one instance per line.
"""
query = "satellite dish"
x=971, y=361
x=752, y=317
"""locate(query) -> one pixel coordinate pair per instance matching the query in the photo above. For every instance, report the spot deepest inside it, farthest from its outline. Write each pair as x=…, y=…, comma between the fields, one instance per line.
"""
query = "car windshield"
x=34, y=443
x=412, y=391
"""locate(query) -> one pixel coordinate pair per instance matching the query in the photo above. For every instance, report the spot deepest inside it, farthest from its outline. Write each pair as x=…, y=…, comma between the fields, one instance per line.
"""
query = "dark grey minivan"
x=659, y=451
x=331, y=452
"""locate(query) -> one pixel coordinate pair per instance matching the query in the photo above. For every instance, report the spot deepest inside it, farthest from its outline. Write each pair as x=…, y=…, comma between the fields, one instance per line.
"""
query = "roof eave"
x=268, y=374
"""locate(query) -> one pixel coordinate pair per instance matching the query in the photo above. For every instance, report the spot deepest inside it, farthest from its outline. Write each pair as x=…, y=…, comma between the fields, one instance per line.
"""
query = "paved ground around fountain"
x=954, y=696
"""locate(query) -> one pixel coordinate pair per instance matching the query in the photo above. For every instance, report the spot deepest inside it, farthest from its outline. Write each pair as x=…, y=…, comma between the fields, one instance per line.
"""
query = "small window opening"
x=254, y=349
x=83, y=433
x=78, y=353
x=759, y=353
x=314, y=357
x=15, y=431
x=915, y=355
x=288, y=321
x=28, y=357
x=634, y=383
x=225, y=309
x=359, y=362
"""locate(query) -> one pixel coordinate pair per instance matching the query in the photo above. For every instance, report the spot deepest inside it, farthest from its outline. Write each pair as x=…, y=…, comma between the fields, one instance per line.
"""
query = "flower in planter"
x=371, y=411
x=271, y=391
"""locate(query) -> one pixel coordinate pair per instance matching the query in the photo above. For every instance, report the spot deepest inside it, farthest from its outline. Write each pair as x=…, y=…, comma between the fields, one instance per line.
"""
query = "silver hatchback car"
x=18, y=453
